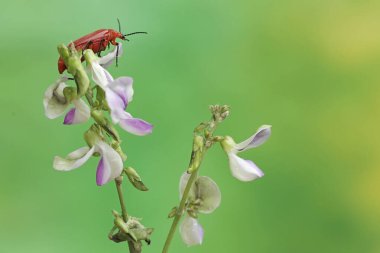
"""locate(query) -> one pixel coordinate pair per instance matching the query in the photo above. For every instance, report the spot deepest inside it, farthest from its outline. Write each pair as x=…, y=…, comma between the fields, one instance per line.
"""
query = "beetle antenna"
x=118, y=21
x=129, y=34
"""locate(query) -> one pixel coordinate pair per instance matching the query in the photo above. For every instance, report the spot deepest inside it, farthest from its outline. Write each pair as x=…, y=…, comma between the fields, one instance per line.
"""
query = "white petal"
x=116, y=105
x=255, y=140
x=80, y=114
x=209, y=194
x=108, y=59
x=244, y=170
x=123, y=86
x=136, y=126
x=100, y=75
x=110, y=165
x=73, y=160
x=191, y=231
x=182, y=185
x=118, y=94
x=54, y=102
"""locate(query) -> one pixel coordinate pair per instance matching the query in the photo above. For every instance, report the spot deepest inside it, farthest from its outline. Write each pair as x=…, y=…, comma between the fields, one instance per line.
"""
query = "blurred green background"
x=309, y=68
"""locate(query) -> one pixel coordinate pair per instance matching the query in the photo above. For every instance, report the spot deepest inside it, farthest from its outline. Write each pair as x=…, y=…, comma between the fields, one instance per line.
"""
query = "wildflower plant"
x=200, y=194
x=107, y=99
x=103, y=94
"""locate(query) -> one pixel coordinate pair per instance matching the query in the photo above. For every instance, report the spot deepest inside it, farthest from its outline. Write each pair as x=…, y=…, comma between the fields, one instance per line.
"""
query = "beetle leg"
x=101, y=47
x=117, y=54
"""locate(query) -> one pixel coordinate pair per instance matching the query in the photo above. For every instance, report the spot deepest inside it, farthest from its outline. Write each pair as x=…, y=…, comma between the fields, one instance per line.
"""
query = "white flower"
x=204, y=190
x=110, y=165
x=205, y=197
x=55, y=104
x=191, y=231
x=245, y=170
x=119, y=93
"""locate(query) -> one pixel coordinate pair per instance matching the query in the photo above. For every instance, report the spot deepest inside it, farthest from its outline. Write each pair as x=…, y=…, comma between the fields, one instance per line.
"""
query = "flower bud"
x=74, y=66
x=91, y=136
x=98, y=116
x=89, y=56
x=135, y=179
x=228, y=144
x=173, y=212
x=70, y=93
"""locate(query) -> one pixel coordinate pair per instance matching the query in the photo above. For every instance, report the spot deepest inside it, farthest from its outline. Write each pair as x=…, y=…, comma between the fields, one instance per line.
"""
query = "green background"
x=309, y=68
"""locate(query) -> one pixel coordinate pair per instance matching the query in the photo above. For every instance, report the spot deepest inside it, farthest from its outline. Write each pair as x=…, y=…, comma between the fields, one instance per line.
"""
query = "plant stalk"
x=118, y=182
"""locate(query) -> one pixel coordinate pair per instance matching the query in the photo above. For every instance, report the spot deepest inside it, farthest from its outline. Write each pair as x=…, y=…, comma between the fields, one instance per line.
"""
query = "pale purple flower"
x=119, y=93
x=206, y=197
x=110, y=165
x=204, y=189
x=55, y=104
x=191, y=231
x=245, y=170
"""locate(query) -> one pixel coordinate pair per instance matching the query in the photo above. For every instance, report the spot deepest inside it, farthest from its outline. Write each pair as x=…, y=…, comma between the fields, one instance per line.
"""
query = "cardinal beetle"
x=97, y=42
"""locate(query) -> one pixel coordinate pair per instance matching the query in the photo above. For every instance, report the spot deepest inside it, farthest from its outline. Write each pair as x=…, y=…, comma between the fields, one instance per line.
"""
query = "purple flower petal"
x=255, y=140
x=123, y=87
x=136, y=126
x=79, y=114
x=100, y=173
x=69, y=118
x=110, y=165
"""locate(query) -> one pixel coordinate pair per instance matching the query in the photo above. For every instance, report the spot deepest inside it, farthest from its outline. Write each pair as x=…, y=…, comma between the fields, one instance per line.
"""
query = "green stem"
x=180, y=211
x=89, y=99
x=124, y=213
x=208, y=130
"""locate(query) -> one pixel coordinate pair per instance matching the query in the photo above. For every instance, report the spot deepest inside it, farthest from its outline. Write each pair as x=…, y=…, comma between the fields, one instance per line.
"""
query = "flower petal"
x=182, y=185
x=209, y=194
x=54, y=101
x=255, y=140
x=134, y=125
x=110, y=165
x=191, y=231
x=122, y=86
x=73, y=160
x=108, y=59
x=100, y=75
x=244, y=170
x=116, y=105
x=79, y=114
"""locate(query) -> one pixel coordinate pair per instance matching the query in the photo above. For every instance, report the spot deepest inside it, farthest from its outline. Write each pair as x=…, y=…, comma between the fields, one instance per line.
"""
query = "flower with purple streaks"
x=119, y=93
x=204, y=197
x=245, y=170
x=110, y=165
x=55, y=104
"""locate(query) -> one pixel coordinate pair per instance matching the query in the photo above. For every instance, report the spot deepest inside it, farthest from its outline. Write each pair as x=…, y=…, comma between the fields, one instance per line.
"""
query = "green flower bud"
x=92, y=135
x=98, y=116
x=173, y=212
x=135, y=179
x=74, y=66
x=70, y=93
x=89, y=56
x=228, y=144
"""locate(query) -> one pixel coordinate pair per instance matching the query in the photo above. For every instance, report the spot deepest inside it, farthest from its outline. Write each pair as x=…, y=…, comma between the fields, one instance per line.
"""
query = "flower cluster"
x=113, y=95
x=204, y=195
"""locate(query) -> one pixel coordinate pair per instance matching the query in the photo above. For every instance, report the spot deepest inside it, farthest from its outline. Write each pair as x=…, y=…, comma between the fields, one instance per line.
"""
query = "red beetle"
x=97, y=42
